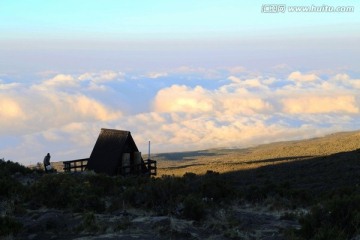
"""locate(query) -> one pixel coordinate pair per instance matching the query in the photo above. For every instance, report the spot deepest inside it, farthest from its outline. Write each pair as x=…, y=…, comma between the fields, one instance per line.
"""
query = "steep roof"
x=109, y=147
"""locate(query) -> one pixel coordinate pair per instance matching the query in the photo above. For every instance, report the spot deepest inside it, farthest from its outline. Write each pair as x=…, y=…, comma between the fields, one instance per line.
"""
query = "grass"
x=228, y=160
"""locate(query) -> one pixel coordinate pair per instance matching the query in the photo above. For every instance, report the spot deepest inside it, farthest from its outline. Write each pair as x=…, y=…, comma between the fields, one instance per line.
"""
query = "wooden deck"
x=138, y=169
x=78, y=165
x=151, y=166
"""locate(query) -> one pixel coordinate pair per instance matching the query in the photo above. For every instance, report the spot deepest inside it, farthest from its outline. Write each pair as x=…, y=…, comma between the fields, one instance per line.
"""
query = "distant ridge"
x=225, y=160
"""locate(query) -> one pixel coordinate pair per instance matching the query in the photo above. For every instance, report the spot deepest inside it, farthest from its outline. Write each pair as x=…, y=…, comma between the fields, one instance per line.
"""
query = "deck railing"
x=151, y=166
x=78, y=165
x=138, y=169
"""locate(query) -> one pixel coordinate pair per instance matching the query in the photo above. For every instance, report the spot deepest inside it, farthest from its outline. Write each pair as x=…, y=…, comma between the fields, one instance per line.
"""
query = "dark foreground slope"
x=317, y=177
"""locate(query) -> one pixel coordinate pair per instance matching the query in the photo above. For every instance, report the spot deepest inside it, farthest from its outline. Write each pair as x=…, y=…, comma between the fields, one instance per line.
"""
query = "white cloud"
x=10, y=109
x=183, y=99
x=101, y=77
x=51, y=135
x=82, y=134
x=152, y=117
x=58, y=81
x=341, y=77
x=346, y=80
x=236, y=69
x=298, y=76
x=221, y=101
x=57, y=109
x=33, y=109
x=281, y=67
x=29, y=150
x=234, y=104
x=234, y=79
x=13, y=117
x=97, y=80
x=61, y=80
x=92, y=108
x=247, y=83
x=96, y=87
x=205, y=73
x=155, y=75
x=8, y=86
x=311, y=104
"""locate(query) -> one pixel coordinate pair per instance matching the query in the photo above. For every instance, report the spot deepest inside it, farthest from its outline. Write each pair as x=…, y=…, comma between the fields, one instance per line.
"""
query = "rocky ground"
x=235, y=222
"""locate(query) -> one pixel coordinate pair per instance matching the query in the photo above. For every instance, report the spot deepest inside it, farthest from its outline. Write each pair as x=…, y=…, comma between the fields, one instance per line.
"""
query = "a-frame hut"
x=115, y=153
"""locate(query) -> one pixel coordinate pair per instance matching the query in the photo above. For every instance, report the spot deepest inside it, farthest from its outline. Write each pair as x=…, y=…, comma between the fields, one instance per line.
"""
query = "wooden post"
x=137, y=161
x=126, y=163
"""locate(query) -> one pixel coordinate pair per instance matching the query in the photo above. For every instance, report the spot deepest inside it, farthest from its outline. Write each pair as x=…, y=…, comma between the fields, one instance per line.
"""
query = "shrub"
x=193, y=208
x=254, y=193
x=87, y=202
x=89, y=223
x=338, y=218
x=10, y=186
x=9, y=167
x=101, y=184
x=57, y=191
x=7, y=186
x=9, y=226
x=68, y=191
x=123, y=224
x=189, y=175
x=215, y=187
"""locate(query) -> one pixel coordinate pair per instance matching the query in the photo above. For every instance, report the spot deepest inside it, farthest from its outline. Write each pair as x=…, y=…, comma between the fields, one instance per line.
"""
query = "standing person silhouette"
x=47, y=165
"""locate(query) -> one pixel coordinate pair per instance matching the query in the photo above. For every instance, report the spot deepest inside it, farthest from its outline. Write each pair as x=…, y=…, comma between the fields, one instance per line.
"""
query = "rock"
x=32, y=236
x=51, y=220
x=152, y=221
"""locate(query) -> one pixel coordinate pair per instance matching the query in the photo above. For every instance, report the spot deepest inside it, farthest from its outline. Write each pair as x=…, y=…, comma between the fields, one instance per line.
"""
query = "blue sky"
x=186, y=74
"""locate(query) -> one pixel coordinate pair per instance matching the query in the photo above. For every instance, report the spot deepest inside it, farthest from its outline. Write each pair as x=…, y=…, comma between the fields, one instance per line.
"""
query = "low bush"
x=69, y=191
x=9, y=168
x=338, y=218
x=89, y=223
x=123, y=224
x=9, y=226
x=10, y=187
x=194, y=208
x=213, y=186
x=56, y=191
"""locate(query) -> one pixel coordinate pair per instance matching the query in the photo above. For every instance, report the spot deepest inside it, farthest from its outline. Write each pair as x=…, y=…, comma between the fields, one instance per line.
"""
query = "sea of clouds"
x=178, y=109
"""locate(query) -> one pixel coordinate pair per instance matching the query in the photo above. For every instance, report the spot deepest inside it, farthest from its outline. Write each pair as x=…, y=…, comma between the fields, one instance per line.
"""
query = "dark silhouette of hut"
x=115, y=153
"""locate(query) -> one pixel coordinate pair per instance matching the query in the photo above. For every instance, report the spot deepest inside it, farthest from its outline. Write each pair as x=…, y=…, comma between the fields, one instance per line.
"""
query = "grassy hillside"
x=225, y=160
